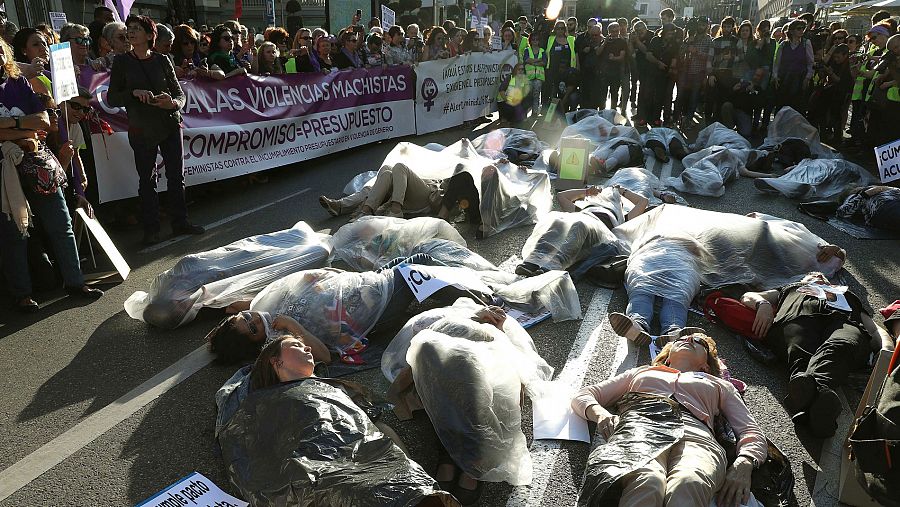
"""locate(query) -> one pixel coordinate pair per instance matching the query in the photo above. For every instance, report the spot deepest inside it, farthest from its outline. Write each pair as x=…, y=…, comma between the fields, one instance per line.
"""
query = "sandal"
x=624, y=326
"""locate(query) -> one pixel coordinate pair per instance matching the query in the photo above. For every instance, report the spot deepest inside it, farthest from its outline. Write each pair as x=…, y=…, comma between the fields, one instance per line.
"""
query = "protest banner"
x=387, y=18
x=270, y=13
x=57, y=20
x=888, y=157
x=454, y=90
x=193, y=490
x=248, y=124
x=424, y=281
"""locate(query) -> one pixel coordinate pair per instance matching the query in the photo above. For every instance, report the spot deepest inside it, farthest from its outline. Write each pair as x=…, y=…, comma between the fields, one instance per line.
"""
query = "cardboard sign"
x=105, y=243
x=57, y=20
x=424, y=281
x=193, y=490
x=387, y=18
x=574, y=154
x=65, y=85
x=888, y=157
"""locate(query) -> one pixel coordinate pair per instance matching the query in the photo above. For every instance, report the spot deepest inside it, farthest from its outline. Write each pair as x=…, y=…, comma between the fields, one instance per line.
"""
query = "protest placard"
x=426, y=280
x=479, y=22
x=387, y=18
x=888, y=157
x=57, y=20
x=573, y=162
x=106, y=243
x=65, y=85
x=193, y=490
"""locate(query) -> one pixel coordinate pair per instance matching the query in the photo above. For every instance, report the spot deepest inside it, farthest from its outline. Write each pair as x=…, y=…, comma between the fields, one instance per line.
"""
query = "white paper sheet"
x=555, y=420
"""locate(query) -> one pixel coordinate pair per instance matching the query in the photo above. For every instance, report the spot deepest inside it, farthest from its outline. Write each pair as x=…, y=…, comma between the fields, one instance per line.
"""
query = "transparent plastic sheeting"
x=676, y=249
x=664, y=136
x=309, y=443
x=817, y=179
x=373, y=241
x=788, y=123
x=706, y=171
x=610, y=115
x=601, y=131
x=234, y=272
x=517, y=145
x=511, y=195
x=552, y=291
x=338, y=307
x=469, y=376
x=717, y=134
x=562, y=239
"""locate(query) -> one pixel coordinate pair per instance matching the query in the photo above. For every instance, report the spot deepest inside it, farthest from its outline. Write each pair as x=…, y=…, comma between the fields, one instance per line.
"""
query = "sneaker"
x=187, y=228
x=624, y=326
x=331, y=206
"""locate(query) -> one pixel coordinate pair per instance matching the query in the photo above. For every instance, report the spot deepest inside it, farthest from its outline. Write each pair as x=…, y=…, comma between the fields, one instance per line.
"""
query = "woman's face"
x=119, y=42
x=296, y=360
x=397, y=39
x=691, y=350
x=226, y=42
x=250, y=324
x=203, y=46
x=188, y=47
x=269, y=54
x=303, y=38
x=36, y=48
x=323, y=46
x=745, y=32
x=136, y=34
x=79, y=47
x=507, y=36
x=76, y=109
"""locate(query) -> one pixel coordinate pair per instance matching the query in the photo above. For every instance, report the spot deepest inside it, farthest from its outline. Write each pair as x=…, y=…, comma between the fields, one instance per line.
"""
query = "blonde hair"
x=712, y=357
x=11, y=67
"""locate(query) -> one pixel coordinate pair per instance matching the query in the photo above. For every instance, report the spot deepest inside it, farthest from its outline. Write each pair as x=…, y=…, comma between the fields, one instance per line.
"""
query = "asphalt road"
x=72, y=359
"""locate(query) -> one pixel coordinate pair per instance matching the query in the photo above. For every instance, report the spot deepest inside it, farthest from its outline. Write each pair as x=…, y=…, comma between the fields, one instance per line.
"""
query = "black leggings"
x=827, y=347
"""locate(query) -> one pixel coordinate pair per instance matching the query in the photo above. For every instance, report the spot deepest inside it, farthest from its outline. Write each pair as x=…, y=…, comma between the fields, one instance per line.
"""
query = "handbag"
x=875, y=439
x=41, y=173
x=731, y=313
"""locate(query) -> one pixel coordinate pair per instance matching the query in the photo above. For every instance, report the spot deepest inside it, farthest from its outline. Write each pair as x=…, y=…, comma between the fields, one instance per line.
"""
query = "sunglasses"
x=83, y=41
x=249, y=320
x=78, y=107
x=691, y=339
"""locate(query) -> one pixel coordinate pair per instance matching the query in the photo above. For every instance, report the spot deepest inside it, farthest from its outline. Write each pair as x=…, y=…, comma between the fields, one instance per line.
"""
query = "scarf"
x=14, y=204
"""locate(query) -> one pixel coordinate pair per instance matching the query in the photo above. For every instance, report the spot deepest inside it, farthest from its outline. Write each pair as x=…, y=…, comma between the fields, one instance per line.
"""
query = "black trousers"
x=826, y=347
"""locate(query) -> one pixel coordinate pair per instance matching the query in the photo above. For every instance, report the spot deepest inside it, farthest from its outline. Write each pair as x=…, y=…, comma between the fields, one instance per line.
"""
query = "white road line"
x=544, y=453
x=55, y=451
x=223, y=221
x=828, y=478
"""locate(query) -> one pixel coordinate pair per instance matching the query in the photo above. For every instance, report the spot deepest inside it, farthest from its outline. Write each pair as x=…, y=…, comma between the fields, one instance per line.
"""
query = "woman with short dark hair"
x=145, y=84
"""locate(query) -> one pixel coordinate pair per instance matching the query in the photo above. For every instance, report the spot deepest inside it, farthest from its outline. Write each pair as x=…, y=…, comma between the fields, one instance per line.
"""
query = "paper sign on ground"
x=555, y=420
x=527, y=320
x=426, y=280
x=387, y=18
x=65, y=85
x=57, y=20
x=194, y=489
x=105, y=243
x=888, y=157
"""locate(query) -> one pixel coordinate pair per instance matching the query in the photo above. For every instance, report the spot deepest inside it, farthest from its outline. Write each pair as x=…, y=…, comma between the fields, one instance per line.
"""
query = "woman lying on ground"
x=823, y=332
x=661, y=447
x=564, y=242
x=339, y=308
x=292, y=438
x=397, y=190
x=876, y=206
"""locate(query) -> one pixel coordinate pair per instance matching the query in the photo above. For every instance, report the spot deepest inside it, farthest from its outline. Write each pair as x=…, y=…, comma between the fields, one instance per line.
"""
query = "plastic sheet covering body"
x=611, y=115
x=338, y=307
x=789, y=123
x=676, y=249
x=552, y=291
x=717, y=134
x=817, y=179
x=561, y=239
x=307, y=443
x=530, y=365
x=706, y=171
x=517, y=145
x=234, y=272
x=648, y=425
x=601, y=132
x=511, y=195
x=373, y=241
x=665, y=136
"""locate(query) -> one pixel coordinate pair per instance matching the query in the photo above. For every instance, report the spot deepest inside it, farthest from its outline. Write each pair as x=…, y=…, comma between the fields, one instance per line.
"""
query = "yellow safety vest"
x=501, y=95
x=290, y=66
x=571, y=40
x=46, y=80
x=871, y=87
x=893, y=94
x=861, y=80
x=533, y=72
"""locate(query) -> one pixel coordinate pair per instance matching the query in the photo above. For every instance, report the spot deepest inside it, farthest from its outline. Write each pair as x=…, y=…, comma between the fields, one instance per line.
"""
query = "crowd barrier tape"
x=251, y=123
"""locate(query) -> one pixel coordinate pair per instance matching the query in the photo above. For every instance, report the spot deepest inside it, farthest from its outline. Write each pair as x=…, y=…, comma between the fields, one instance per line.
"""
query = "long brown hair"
x=263, y=372
x=712, y=357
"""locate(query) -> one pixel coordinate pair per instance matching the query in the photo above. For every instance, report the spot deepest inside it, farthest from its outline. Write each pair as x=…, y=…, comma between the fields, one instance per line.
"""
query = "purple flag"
x=120, y=8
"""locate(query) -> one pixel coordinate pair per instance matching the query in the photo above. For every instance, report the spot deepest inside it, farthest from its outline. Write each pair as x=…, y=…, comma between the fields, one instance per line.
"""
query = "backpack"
x=731, y=313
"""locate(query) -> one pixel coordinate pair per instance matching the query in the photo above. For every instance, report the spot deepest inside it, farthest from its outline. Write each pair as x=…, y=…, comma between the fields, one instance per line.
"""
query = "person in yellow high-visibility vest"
x=535, y=61
x=561, y=56
x=878, y=36
x=512, y=96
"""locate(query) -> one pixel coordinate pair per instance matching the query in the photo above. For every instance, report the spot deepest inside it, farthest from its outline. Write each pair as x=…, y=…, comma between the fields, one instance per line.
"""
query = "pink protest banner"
x=248, y=124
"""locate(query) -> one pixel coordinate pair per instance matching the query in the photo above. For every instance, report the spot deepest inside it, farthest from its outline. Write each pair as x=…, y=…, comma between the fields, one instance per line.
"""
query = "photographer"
x=831, y=95
x=877, y=37
x=883, y=98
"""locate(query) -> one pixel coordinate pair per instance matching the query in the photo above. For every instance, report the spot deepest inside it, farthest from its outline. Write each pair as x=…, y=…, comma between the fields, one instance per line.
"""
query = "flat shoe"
x=801, y=392
x=468, y=497
x=84, y=292
x=27, y=305
x=823, y=413
x=624, y=326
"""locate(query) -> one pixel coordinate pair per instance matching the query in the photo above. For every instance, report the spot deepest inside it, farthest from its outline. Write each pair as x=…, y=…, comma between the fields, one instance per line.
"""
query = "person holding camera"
x=144, y=83
x=877, y=37
x=832, y=93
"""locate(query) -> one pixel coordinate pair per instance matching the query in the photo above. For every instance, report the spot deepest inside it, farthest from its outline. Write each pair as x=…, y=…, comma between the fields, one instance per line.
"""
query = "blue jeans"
x=672, y=314
x=54, y=217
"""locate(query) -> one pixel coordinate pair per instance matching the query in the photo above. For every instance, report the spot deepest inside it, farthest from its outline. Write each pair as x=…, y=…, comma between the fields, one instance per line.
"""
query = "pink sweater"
x=703, y=394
